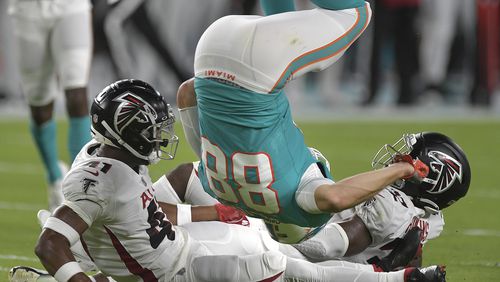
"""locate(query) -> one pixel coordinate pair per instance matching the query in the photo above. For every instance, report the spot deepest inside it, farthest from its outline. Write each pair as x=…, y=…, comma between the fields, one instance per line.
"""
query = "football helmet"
x=130, y=114
x=449, y=170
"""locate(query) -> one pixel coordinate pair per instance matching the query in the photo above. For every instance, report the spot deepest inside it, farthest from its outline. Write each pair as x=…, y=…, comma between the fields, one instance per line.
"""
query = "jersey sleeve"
x=386, y=215
x=86, y=194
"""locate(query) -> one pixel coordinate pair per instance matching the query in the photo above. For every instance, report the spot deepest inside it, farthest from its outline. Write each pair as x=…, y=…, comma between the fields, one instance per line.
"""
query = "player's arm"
x=180, y=214
x=61, y=230
x=188, y=113
x=356, y=189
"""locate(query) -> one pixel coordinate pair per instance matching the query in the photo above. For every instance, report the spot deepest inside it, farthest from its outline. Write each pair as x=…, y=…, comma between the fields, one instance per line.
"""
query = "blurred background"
x=442, y=55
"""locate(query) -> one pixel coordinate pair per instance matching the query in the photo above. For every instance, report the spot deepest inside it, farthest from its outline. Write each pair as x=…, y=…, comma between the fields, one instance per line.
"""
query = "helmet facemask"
x=386, y=155
x=163, y=140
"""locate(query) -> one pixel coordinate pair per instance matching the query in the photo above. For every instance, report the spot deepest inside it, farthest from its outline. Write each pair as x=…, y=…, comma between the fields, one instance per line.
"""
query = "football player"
x=237, y=118
x=387, y=230
x=54, y=40
x=391, y=228
x=110, y=205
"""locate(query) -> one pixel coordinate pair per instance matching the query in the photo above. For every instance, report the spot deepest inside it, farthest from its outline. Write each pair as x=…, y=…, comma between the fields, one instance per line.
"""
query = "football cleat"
x=29, y=274
x=433, y=273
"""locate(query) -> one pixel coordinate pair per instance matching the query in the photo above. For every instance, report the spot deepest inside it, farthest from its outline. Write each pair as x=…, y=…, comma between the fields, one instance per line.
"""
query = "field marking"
x=6, y=269
x=480, y=263
x=15, y=257
x=23, y=168
x=20, y=206
x=481, y=232
x=490, y=194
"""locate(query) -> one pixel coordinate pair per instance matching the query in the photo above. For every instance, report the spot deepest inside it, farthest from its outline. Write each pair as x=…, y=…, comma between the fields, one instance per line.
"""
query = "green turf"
x=469, y=246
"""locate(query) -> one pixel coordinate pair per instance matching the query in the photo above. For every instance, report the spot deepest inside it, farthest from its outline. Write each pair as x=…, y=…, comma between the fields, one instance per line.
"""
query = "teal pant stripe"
x=339, y=5
x=78, y=135
x=327, y=50
x=271, y=7
x=46, y=143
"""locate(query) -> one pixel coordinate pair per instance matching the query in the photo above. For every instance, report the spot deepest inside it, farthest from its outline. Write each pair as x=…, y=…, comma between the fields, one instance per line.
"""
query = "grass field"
x=469, y=245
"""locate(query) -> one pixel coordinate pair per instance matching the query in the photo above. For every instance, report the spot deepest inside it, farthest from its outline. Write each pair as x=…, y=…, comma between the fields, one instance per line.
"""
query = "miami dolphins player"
x=237, y=118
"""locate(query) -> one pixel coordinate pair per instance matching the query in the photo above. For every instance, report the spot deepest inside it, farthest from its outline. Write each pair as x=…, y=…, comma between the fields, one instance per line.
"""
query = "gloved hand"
x=421, y=170
x=231, y=215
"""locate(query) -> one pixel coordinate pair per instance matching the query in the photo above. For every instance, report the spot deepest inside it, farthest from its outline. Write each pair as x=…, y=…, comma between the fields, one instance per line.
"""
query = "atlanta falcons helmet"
x=449, y=171
x=130, y=114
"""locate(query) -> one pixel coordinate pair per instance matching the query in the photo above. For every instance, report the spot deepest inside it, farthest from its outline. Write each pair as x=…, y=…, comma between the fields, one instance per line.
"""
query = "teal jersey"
x=253, y=155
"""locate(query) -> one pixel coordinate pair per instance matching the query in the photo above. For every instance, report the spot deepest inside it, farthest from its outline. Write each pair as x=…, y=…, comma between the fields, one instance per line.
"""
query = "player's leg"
x=39, y=86
x=299, y=270
x=336, y=240
x=182, y=185
x=227, y=252
x=72, y=50
x=269, y=51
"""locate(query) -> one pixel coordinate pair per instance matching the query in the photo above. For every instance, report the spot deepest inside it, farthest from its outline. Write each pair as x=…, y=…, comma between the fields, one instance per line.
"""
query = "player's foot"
x=403, y=253
x=55, y=189
x=29, y=274
x=434, y=273
x=42, y=216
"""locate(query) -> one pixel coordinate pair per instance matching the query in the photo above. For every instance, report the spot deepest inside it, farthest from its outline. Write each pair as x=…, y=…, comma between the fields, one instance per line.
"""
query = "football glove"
x=421, y=170
x=231, y=215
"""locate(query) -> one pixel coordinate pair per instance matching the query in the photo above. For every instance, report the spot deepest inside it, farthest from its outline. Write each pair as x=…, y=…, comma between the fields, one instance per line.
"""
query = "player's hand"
x=420, y=170
x=231, y=215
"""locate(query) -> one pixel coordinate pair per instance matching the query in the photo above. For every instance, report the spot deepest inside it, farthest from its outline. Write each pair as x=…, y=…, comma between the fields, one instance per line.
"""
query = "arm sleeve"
x=190, y=124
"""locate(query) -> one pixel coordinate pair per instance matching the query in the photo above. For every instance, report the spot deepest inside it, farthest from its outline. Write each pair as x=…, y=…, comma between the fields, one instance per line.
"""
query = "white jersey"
x=388, y=217
x=128, y=232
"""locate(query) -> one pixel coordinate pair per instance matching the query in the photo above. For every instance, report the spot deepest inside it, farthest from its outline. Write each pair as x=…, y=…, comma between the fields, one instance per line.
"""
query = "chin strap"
x=427, y=205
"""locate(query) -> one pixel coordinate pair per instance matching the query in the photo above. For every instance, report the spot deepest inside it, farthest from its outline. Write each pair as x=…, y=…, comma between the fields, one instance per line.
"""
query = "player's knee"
x=179, y=178
x=42, y=114
x=254, y=267
x=76, y=102
x=186, y=96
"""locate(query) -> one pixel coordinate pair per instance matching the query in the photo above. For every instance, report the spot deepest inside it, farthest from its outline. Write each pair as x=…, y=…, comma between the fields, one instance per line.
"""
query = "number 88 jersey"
x=253, y=155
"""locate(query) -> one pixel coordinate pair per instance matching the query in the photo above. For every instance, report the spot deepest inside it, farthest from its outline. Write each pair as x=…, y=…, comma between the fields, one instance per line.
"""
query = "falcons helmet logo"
x=132, y=108
x=447, y=170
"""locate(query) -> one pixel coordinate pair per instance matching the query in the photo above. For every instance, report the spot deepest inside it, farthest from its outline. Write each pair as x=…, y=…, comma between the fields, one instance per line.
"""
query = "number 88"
x=252, y=172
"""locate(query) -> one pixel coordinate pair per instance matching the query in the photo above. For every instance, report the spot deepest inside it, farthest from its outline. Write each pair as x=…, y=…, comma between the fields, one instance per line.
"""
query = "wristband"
x=67, y=270
x=183, y=214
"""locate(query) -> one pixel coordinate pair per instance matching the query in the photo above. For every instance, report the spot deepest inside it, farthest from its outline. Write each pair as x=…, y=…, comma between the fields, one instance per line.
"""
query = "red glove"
x=231, y=215
x=421, y=170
